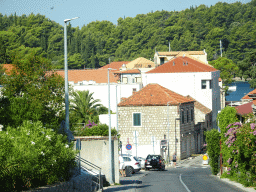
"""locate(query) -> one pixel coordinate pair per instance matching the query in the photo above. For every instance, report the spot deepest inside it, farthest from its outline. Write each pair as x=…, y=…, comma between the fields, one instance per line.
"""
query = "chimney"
x=134, y=91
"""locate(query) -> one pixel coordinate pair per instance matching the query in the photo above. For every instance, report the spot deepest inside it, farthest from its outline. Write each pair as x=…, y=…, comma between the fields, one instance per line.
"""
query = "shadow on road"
x=127, y=182
x=124, y=188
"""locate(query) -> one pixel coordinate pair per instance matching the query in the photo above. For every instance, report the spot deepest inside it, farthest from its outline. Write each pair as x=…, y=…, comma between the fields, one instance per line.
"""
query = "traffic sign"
x=128, y=146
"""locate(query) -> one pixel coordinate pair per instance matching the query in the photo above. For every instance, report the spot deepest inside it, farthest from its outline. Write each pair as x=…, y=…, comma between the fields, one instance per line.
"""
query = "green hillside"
x=195, y=28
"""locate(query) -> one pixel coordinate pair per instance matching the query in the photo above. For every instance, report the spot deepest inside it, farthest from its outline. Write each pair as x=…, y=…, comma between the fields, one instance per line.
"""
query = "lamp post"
x=109, y=131
x=168, y=125
x=66, y=73
x=175, y=136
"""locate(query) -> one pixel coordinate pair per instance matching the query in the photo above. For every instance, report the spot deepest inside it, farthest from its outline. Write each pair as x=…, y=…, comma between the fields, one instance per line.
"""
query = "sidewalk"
x=127, y=184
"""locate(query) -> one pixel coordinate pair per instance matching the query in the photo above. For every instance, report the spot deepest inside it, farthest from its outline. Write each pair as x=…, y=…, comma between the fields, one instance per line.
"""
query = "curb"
x=236, y=184
x=116, y=186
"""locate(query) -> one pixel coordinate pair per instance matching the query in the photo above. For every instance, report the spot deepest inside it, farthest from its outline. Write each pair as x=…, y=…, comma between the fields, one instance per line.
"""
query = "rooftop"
x=182, y=65
x=154, y=95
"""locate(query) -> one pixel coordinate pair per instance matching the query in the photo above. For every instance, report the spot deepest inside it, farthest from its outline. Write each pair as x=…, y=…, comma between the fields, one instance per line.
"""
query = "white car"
x=142, y=162
x=130, y=162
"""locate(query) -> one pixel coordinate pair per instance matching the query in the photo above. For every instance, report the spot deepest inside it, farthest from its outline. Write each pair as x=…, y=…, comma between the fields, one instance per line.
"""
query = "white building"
x=96, y=81
x=187, y=76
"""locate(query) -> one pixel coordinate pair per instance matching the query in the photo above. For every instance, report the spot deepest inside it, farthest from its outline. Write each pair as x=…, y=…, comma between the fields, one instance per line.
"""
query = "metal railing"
x=91, y=169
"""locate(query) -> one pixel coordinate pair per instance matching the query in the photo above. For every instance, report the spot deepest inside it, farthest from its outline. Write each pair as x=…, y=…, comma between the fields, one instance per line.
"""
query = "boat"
x=232, y=88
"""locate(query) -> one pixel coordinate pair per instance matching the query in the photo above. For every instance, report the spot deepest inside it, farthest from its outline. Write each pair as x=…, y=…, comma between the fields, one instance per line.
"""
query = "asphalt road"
x=189, y=176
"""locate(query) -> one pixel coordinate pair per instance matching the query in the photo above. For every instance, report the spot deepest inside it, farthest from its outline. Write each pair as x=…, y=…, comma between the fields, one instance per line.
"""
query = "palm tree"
x=84, y=107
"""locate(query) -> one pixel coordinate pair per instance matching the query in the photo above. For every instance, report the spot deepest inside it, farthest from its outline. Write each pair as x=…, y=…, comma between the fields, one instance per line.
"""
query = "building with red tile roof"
x=154, y=95
x=250, y=96
x=187, y=76
x=93, y=75
x=163, y=57
x=244, y=109
x=115, y=65
x=151, y=112
x=182, y=65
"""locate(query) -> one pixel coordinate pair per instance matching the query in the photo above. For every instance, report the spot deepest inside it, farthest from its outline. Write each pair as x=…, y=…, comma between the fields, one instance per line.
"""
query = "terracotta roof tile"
x=220, y=79
x=97, y=75
x=200, y=106
x=182, y=65
x=134, y=71
x=140, y=62
x=115, y=65
x=244, y=109
x=154, y=95
x=250, y=93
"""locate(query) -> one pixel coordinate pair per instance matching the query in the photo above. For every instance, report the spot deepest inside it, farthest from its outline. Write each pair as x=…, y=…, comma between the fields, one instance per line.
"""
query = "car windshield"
x=136, y=159
x=153, y=157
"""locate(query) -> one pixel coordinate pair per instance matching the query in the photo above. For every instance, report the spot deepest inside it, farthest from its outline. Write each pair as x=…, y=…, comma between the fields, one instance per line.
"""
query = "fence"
x=91, y=169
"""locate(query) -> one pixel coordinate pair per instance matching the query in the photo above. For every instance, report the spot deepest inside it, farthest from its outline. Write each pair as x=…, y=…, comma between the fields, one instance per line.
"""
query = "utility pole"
x=220, y=48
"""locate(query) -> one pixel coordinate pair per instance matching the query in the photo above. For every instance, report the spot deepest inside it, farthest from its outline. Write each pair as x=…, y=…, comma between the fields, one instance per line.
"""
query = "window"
x=134, y=89
x=182, y=117
x=210, y=82
x=133, y=80
x=138, y=79
x=124, y=80
x=192, y=114
x=127, y=159
x=161, y=60
x=203, y=84
x=187, y=115
x=136, y=119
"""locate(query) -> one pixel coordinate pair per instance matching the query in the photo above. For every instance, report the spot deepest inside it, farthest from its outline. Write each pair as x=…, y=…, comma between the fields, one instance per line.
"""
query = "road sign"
x=205, y=160
x=164, y=142
x=128, y=146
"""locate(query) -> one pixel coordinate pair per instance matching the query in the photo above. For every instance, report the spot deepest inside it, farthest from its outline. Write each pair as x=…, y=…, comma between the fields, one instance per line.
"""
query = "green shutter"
x=136, y=119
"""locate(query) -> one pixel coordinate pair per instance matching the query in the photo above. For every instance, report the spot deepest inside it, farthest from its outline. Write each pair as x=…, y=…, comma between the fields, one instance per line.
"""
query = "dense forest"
x=99, y=42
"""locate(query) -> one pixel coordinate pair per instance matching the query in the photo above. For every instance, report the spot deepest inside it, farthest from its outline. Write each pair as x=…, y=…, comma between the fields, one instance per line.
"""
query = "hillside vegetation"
x=92, y=46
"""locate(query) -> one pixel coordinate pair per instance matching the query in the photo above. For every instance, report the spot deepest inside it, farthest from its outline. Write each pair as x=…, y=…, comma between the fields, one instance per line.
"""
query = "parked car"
x=131, y=163
x=142, y=162
x=154, y=162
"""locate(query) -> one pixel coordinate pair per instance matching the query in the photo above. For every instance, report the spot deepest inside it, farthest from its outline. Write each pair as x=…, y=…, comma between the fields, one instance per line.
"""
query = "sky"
x=97, y=10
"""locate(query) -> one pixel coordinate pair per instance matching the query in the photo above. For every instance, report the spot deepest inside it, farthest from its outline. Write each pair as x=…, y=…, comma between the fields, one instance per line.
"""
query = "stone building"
x=145, y=118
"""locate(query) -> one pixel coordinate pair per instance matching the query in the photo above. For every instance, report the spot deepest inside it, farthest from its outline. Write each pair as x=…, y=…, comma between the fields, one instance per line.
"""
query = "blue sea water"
x=242, y=89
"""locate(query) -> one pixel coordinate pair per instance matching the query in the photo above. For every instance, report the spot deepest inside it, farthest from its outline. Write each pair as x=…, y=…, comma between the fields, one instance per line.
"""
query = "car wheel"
x=128, y=171
x=146, y=169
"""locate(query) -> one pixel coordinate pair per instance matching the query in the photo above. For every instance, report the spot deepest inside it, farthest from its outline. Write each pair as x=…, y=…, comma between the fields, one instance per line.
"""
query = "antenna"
x=220, y=49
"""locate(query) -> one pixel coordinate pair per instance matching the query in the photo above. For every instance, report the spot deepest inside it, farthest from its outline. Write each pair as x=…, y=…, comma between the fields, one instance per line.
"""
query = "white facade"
x=191, y=84
x=117, y=91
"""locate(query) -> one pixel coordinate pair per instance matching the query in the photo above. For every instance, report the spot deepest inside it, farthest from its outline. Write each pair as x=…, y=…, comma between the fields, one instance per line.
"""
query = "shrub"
x=96, y=130
x=32, y=155
x=213, y=149
x=241, y=144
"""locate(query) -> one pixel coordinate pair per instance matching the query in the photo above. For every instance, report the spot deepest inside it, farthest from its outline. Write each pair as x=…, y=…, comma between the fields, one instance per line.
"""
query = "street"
x=189, y=176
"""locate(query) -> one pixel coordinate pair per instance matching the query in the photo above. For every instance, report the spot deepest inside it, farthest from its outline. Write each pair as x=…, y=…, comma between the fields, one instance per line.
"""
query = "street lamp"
x=66, y=73
x=168, y=125
x=175, y=136
x=109, y=131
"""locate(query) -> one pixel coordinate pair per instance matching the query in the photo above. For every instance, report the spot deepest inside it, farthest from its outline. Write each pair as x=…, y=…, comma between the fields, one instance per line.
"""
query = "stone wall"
x=95, y=149
x=154, y=123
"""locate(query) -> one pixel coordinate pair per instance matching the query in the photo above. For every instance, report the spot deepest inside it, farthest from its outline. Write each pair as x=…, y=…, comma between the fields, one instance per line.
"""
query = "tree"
x=248, y=68
x=32, y=91
x=227, y=69
x=83, y=107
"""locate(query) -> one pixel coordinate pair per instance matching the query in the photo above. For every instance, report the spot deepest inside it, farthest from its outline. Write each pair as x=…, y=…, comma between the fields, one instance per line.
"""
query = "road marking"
x=184, y=184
